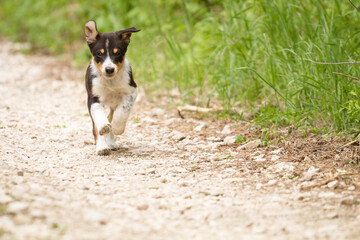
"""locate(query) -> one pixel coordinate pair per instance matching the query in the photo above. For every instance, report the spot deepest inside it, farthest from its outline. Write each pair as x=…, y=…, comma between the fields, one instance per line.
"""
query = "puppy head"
x=108, y=49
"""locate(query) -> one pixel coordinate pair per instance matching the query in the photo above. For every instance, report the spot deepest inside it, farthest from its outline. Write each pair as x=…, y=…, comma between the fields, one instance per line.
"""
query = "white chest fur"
x=112, y=91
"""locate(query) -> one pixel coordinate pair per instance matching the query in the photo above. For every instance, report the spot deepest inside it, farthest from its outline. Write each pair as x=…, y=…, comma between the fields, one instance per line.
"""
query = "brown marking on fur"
x=126, y=36
x=102, y=51
x=115, y=50
x=119, y=64
x=96, y=133
x=110, y=116
x=98, y=65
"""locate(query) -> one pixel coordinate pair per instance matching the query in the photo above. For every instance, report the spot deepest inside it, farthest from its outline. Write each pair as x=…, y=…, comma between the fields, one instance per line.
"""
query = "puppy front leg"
x=97, y=112
x=102, y=127
x=122, y=113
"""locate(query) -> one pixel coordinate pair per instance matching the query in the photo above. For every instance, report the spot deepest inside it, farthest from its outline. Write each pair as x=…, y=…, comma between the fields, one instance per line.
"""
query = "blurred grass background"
x=250, y=54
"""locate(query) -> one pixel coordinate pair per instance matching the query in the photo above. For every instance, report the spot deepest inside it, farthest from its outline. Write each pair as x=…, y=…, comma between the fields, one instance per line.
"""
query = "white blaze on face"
x=108, y=63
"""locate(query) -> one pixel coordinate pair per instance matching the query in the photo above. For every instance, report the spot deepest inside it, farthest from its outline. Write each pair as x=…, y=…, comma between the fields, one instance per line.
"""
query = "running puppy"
x=109, y=84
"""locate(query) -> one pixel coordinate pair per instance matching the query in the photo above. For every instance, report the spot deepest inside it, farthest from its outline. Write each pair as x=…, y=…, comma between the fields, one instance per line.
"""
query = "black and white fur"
x=109, y=84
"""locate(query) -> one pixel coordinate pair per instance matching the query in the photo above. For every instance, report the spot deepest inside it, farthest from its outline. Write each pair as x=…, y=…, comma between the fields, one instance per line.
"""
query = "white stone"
x=348, y=200
x=199, y=127
x=95, y=216
x=148, y=120
x=226, y=130
x=311, y=173
x=250, y=145
x=277, y=151
x=274, y=157
x=172, y=120
x=178, y=170
x=5, y=199
x=282, y=167
x=259, y=158
x=306, y=185
x=214, y=139
x=272, y=182
x=177, y=136
x=230, y=139
x=332, y=215
x=157, y=112
x=327, y=195
x=150, y=170
x=332, y=184
x=16, y=207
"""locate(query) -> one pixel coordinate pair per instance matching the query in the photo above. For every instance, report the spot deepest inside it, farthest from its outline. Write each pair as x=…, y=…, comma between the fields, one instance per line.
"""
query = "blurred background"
x=249, y=54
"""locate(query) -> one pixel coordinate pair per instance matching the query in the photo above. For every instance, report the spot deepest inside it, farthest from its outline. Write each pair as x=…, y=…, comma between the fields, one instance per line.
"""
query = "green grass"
x=240, y=139
x=252, y=54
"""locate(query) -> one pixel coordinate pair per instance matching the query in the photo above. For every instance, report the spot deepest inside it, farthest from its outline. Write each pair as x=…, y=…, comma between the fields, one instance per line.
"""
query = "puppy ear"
x=126, y=33
x=91, y=31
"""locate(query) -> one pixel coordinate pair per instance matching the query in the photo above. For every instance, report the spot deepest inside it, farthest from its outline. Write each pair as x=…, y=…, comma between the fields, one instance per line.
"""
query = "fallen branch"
x=331, y=63
x=347, y=76
x=348, y=144
x=191, y=108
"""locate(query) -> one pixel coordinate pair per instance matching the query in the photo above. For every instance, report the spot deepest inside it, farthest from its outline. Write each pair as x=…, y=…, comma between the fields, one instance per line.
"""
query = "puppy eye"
x=117, y=54
x=99, y=54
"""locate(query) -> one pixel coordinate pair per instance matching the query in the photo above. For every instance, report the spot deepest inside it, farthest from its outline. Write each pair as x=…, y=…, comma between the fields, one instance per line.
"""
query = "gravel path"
x=172, y=178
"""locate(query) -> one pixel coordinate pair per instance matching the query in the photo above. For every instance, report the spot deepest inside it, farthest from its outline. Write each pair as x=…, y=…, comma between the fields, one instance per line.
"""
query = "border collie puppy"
x=109, y=84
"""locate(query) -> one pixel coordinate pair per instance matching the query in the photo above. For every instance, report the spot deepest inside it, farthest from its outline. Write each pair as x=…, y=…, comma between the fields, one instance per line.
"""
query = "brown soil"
x=173, y=178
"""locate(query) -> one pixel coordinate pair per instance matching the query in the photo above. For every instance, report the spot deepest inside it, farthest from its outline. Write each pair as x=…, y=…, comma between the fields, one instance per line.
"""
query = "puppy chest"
x=111, y=94
x=112, y=100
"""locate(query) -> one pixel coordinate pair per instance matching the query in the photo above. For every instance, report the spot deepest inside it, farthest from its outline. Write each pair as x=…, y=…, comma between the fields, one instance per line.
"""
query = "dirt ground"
x=173, y=178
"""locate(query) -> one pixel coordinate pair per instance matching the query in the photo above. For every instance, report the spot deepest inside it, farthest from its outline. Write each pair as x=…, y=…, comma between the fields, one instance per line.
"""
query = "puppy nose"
x=109, y=70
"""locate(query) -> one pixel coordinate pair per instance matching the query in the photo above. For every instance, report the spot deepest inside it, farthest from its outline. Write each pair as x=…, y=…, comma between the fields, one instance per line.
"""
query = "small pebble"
x=306, y=185
x=332, y=215
x=351, y=200
x=230, y=139
x=272, y=182
x=150, y=171
x=250, y=145
x=5, y=199
x=157, y=112
x=226, y=130
x=199, y=127
x=178, y=170
x=332, y=184
x=142, y=207
x=16, y=207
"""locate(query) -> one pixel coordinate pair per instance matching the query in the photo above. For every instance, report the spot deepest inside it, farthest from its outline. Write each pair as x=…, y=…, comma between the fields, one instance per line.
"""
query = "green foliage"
x=240, y=139
x=244, y=53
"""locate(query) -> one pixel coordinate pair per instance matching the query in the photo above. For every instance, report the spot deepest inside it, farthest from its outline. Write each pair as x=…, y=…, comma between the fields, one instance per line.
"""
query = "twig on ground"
x=348, y=144
x=191, y=108
x=347, y=76
x=331, y=63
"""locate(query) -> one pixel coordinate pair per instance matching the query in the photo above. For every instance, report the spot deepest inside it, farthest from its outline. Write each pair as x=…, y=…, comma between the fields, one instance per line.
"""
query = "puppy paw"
x=103, y=152
x=105, y=129
x=114, y=147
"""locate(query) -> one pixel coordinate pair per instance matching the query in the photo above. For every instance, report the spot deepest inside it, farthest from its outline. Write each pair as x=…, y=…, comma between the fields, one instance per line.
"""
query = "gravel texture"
x=173, y=178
